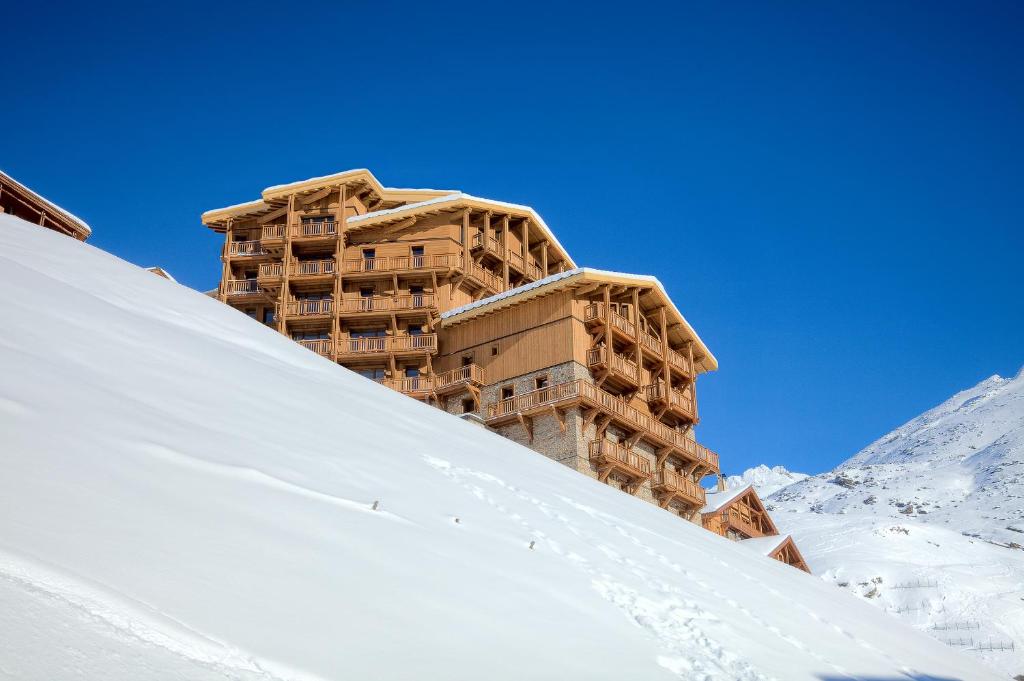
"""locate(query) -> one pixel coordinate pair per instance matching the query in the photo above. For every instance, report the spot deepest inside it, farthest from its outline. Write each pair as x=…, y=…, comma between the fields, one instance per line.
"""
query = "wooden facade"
x=18, y=200
x=472, y=305
x=740, y=515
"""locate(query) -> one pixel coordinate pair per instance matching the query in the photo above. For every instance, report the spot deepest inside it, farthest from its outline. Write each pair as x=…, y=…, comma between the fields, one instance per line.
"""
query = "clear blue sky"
x=830, y=191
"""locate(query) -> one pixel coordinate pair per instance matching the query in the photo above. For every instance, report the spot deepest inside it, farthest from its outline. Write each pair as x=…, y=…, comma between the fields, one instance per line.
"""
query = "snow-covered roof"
x=79, y=222
x=554, y=281
x=715, y=501
x=463, y=198
x=765, y=545
x=161, y=272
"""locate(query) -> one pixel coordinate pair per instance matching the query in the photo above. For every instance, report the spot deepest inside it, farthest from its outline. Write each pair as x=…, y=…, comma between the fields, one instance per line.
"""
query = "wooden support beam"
x=465, y=239
x=527, y=423
x=544, y=257
x=315, y=196
x=665, y=371
x=525, y=246
x=631, y=441
x=662, y=456
x=637, y=351
x=272, y=215
x=504, y=259
x=602, y=425
x=559, y=416
x=589, y=415
x=225, y=276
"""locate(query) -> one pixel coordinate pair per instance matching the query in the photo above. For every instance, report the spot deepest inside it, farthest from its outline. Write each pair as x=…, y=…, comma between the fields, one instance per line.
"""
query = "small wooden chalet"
x=18, y=200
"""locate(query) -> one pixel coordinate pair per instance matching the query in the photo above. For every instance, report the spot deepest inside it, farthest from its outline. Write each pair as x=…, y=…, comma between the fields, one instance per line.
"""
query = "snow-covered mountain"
x=928, y=521
x=187, y=494
x=764, y=479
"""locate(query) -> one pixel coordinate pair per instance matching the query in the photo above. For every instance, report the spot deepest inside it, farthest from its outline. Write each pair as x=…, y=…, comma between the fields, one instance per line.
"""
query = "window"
x=415, y=329
x=508, y=392
x=372, y=333
x=367, y=292
x=467, y=360
x=268, y=316
x=369, y=253
x=468, y=406
x=417, y=295
x=416, y=251
x=375, y=374
x=494, y=350
x=251, y=313
x=540, y=382
x=369, y=258
x=412, y=372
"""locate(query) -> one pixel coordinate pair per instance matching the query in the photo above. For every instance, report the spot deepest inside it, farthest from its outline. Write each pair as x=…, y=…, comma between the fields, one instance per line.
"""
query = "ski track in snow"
x=250, y=475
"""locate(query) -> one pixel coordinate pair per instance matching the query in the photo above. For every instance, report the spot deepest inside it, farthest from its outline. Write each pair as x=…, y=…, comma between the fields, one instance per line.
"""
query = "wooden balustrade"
x=651, y=343
x=471, y=373
x=412, y=301
x=246, y=248
x=679, y=362
x=402, y=262
x=608, y=452
x=659, y=392
x=309, y=268
x=309, y=308
x=273, y=232
x=426, y=342
x=321, y=346
x=741, y=523
x=243, y=287
x=312, y=230
x=410, y=385
x=614, y=362
x=516, y=260
x=271, y=270
x=670, y=482
x=492, y=244
x=486, y=277
x=534, y=271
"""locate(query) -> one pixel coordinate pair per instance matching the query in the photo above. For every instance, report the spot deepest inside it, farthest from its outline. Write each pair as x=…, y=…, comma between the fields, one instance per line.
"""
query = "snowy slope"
x=928, y=521
x=765, y=480
x=189, y=495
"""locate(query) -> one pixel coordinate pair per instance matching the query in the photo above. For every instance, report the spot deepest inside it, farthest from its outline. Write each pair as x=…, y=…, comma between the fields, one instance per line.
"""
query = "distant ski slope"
x=928, y=522
x=189, y=495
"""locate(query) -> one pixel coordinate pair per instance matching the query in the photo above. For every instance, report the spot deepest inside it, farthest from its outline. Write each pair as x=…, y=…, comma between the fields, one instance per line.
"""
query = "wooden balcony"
x=617, y=371
x=314, y=231
x=311, y=269
x=680, y=363
x=533, y=271
x=384, y=305
x=586, y=394
x=485, y=277
x=273, y=237
x=669, y=401
x=382, y=345
x=488, y=245
x=459, y=379
x=669, y=486
x=270, y=275
x=418, y=387
x=735, y=520
x=244, y=288
x=321, y=346
x=516, y=261
x=441, y=261
x=246, y=248
x=612, y=457
x=320, y=309
x=594, y=316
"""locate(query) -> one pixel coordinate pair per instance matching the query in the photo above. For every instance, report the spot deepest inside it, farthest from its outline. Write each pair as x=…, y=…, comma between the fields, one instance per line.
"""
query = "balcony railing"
x=614, y=362
x=402, y=262
x=486, y=277
x=321, y=346
x=273, y=232
x=533, y=271
x=596, y=311
x=516, y=260
x=410, y=385
x=246, y=248
x=426, y=342
x=659, y=392
x=450, y=380
x=649, y=342
x=413, y=301
x=312, y=230
x=271, y=270
x=740, y=522
x=670, y=482
x=493, y=244
x=608, y=452
x=651, y=428
x=311, y=268
x=243, y=287
x=309, y=308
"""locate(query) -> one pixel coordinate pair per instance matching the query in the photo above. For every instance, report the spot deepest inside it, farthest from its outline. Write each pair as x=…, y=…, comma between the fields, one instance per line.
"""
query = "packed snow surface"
x=189, y=495
x=928, y=522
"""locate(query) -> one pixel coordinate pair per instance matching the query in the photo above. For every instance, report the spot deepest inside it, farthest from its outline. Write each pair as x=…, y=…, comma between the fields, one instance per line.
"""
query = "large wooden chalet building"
x=474, y=306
